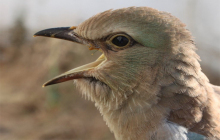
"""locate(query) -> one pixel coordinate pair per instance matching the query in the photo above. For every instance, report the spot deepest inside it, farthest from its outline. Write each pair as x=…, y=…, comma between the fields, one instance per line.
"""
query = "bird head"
x=134, y=43
x=145, y=55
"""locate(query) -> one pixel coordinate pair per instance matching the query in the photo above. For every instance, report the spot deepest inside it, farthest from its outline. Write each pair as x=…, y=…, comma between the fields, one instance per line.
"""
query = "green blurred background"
x=59, y=112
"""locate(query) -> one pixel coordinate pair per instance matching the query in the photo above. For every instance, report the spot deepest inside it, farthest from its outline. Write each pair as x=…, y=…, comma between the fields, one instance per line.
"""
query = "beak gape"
x=67, y=33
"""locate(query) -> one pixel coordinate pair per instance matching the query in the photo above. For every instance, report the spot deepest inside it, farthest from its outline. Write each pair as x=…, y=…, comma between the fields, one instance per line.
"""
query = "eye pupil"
x=120, y=41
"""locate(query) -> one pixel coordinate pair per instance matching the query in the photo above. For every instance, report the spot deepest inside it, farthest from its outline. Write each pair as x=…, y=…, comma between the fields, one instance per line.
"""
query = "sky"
x=202, y=17
x=37, y=12
x=204, y=14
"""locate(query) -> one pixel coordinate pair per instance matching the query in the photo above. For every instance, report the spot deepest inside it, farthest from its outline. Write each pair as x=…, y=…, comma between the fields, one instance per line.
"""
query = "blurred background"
x=29, y=112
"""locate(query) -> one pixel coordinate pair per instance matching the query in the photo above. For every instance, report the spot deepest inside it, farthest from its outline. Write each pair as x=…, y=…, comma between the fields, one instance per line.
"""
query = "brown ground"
x=30, y=112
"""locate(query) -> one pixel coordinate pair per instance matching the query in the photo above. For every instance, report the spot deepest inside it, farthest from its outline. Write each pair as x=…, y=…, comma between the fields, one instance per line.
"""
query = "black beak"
x=66, y=33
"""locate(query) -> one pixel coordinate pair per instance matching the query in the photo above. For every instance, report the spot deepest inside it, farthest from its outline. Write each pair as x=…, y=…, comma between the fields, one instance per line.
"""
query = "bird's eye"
x=120, y=40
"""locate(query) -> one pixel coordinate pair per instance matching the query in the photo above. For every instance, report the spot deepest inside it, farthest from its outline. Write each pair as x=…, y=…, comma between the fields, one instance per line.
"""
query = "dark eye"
x=120, y=41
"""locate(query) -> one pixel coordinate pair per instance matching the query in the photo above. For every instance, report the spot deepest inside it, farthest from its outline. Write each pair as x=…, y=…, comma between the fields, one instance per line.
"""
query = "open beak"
x=67, y=33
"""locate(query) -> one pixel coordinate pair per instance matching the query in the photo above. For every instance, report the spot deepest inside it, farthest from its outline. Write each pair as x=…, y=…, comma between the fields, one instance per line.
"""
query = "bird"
x=147, y=83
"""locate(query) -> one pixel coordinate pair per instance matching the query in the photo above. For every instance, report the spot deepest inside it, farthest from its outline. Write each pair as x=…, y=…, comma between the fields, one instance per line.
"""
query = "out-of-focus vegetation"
x=30, y=112
x=58, y=112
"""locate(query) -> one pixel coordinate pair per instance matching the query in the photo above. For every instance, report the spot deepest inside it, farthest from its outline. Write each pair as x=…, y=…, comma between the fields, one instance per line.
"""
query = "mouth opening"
x=79, y=72
x=68, y=33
